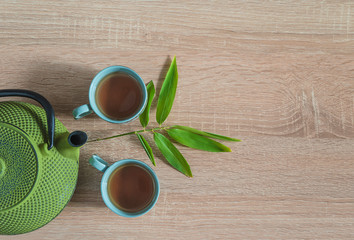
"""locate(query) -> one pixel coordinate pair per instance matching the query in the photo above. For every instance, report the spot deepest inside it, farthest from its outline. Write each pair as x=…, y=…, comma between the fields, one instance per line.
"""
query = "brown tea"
x=131, y=188
x=119, y=96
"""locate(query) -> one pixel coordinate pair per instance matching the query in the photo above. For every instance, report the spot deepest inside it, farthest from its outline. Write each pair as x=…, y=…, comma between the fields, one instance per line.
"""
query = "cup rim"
x=96, y=80
x=104, y=191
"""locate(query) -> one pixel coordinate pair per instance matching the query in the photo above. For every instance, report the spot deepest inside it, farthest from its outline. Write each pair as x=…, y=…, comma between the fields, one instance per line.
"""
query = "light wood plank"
x=277, y=74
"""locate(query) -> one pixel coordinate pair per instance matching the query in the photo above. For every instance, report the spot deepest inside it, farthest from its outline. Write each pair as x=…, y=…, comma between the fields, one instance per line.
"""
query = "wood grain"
x=277, y=74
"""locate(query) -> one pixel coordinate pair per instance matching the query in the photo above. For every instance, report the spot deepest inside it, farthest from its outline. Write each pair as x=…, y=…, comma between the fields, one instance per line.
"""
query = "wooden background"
x=277, y=74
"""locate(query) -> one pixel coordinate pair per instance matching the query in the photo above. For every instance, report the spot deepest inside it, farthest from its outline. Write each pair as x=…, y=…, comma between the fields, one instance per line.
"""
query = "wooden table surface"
x=277, y=74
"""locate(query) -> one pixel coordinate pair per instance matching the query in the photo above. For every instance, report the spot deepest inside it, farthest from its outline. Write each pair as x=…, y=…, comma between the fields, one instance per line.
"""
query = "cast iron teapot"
x=39, y=162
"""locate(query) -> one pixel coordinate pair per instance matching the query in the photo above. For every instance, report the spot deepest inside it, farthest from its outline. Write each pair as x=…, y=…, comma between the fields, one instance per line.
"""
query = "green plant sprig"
x=184, y=135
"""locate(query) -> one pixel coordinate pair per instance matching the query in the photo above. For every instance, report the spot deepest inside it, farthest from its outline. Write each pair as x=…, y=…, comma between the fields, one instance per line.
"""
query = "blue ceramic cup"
x=86, y=109
x=107, y=169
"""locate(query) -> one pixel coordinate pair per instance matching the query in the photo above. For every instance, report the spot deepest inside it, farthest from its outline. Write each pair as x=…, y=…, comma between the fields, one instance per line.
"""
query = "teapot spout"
x=69, y=145
x=77, y=138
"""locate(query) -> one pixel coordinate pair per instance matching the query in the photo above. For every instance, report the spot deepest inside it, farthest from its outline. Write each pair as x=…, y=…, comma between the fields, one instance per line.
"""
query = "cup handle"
x=82, y=111
x=98, y=163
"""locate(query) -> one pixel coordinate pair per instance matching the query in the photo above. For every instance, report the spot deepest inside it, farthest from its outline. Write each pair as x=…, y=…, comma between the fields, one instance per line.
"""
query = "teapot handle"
x=45, y=104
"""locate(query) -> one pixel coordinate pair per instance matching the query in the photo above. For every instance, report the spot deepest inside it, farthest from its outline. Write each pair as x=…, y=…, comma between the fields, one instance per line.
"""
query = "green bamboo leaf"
x=172, y=155
x=196, y=141
x=207, y=134
x=144, y=117
x=167, y=93
x=147, y=148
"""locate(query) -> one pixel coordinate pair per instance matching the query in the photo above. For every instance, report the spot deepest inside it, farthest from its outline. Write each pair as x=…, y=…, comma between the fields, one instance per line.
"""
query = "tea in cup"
x=117, y=94
x=129, y=187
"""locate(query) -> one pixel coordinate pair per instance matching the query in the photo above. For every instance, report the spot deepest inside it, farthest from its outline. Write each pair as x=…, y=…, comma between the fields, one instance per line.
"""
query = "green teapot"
x=39, y=162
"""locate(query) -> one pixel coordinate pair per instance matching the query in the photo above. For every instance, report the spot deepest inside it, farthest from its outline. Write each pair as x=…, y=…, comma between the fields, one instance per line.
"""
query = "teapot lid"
x=18, y=166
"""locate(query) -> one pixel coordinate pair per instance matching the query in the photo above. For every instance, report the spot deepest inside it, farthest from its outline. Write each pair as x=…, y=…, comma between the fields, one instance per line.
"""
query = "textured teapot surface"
x=56, y=179
x=29, y=118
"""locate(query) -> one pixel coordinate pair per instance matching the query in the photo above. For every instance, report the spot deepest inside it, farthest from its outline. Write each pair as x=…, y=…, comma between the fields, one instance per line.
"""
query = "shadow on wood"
x=65, y=86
